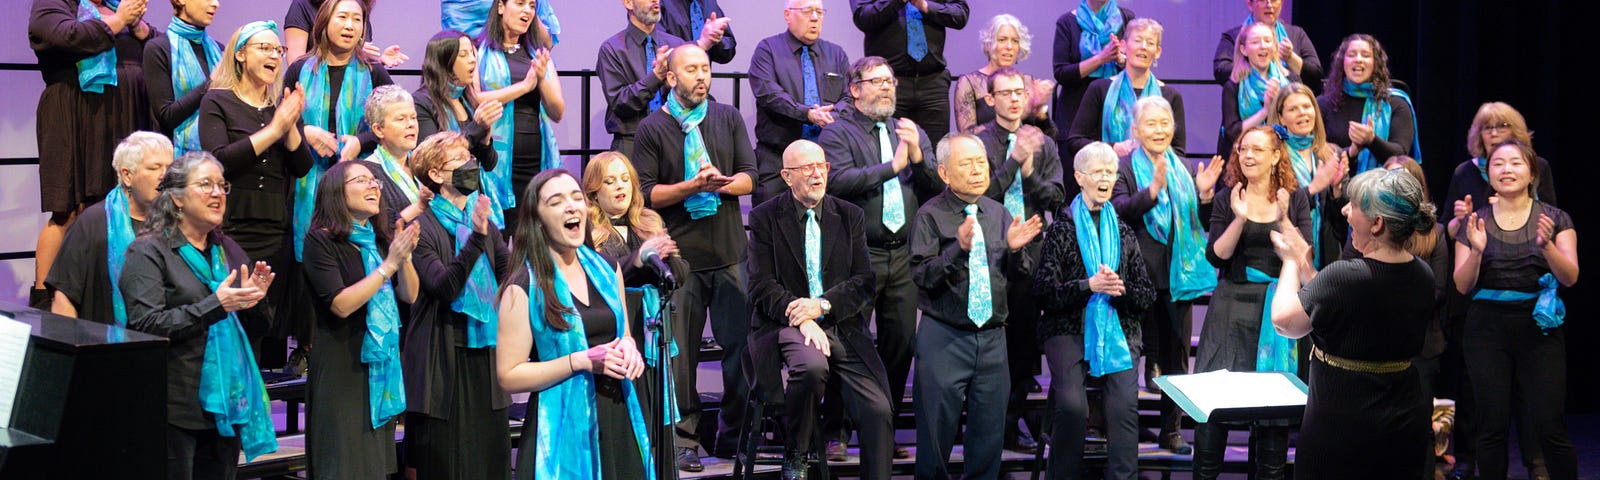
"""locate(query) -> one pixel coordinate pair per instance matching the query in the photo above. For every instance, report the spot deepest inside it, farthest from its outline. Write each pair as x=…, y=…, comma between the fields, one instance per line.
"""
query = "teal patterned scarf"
x=477, y=297
x=350, y=101
x=1175, y=221
x=231, y=389
x=188, y=74
x=703, y=204
x=98, y=71
x=1105, y=346
x=1116, y=114
x=380, y=346
x=119, y=234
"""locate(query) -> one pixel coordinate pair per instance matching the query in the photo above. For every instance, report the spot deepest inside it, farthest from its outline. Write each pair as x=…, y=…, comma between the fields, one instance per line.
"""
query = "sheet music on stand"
x=1236, y=396
x=13, y=351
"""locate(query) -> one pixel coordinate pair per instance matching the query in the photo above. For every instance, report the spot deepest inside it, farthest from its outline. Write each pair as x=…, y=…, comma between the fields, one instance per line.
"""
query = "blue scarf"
x=1105, y=346
x=1175, y=221
x=231, y=389
x=1253, y=89
x=380, y=347
x=1549, y=312
x=187, y=74
x=650, y=299
x=320, y=99
x=1305, y=170
x=98, y=71
x=1116, y=114
x=703, y=204
x=1096, y=29
x=119, y=234
x=396, y=170
x=459, y=93
x=477, y=297
x=1380, y=112
x=568, y=438
x=1274, y=353
x=495, y=71
x=468, y=16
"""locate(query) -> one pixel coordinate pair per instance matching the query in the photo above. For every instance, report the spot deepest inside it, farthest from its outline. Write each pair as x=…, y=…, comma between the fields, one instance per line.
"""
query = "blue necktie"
x=894, y=204
x=979, y=308
x=650, y=68
x=813, y=254
x=1014, y=192
x=916, y=41
x=697, y=19
x=809, y=71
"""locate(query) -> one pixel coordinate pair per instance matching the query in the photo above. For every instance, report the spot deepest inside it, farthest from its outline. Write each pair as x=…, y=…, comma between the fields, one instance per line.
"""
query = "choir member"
x=1258, y=74
x=1091, y=321
x=90, y=53
x=703, y=21
x=632, y=66
x=1027, y=179
x=1367, y=415
x=516, y=70
x=799, y=83
x=1166, y=194
x=1319, y=167
x=878, y=162
x=301, y=17
x=564, y=335
x=1495, y=123
x=1294, y=47
x=1364, y=113
x=811, y=287
x=187, y=281
x=455, y=410
x=357, y=268
x=1510, y=257
x=393, y=119
x=695, y=161
x=1106, y=114
x=963, y=247
x=448, y=97
x=911, y=35
x=1261, y=197
x=179, y=64
x=1086, y=49
x=469, y=17
x=1006, y=41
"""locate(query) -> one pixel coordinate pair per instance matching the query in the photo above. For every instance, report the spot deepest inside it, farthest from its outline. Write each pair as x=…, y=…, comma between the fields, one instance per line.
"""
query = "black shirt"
x=1440, y=264
x=939, y=265
x=1061, y=282
x=1310, y=72
x=1041, y=192
x=428, y=352
x=1468, y=180
x=628, y=82
x=675, y=20
x=1254, y=248
x=527, y=141
x=884, y=23
x=779, y=85
x=170, y=109
x=1370, y=310
x=1336, y=120
x=165, y=298
x=1065, y=60
x=81, y=271
x=1132, y=203
x=1086, y=126
x=226, y=123
x=718, y=240
x=477, y=136
x=59, y=40
x=858, y=171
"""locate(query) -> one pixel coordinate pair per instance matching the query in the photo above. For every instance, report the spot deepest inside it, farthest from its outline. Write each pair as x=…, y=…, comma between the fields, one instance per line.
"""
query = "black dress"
x=620, y=249
x=340, y=440
x=1366, y=425
x=1233, y=319
x=77, y=131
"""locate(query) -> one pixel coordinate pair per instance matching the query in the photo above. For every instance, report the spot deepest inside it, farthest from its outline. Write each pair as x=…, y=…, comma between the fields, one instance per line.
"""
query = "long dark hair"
x=438, y=74
x=332, y=214
x=1334, y=85
x=164, y=216
x=494, y=31
x=530, y=245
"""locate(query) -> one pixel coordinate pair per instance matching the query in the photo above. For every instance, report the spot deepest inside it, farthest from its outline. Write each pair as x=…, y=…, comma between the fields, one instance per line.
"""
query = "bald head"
x=805, y=170
x=689, y=74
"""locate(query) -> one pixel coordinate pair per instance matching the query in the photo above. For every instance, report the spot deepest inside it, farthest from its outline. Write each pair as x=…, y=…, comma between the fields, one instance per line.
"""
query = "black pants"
x=1022, y=342
x=1068, y=370
x=1507, y=356
x=201, y=454
x=895, y=306
x=1168, y=329
x=1271, y=445
x=864, y=393
x=957, y=371
x=623, y=144
x=925, y=100
x=720, y=292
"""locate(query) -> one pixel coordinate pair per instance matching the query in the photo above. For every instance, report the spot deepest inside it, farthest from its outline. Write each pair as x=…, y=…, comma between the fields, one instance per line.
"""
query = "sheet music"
x=1224, y=389
x=13, y=350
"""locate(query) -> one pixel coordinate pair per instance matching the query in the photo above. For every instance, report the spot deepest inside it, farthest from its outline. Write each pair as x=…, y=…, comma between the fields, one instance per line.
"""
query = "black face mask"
x=467, y=178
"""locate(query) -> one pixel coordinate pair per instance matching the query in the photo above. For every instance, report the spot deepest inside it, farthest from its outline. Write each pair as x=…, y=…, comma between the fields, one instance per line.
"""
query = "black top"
x=1511, y=259
x=226, y=123
x=1468, y=180
x=435, y=331
x=712, y=242
x=628, y=82
x=884, y=23
x=858, y=172
x=1440, y=264
x=1370, y=310
x=1310, y=72
x=526, y=142
x=303, y=13
x=380, y=77
x=1086, y=126
x=164, y=297
x=1133, y=203
x=477, y=135
x=1065, y=60
x=59, y=40
x=939, y=265
x=1041, y=192
x=1254, y=249
x=777, y=267
x=170, y=109
x=80, y=271
x=675, y=20
x=599, y=323
x=621, y=248
x=780, y=90
x=1061, y=282
x=1336, y=120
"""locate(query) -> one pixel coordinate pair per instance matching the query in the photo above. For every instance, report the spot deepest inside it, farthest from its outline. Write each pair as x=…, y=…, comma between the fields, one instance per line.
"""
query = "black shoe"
x=795, y=466
x=837, y=451
x=1460, y=473
x=1020, y=442
x=900, y=453
x=1173, y=442
x=1145, y=435
x=689, y=461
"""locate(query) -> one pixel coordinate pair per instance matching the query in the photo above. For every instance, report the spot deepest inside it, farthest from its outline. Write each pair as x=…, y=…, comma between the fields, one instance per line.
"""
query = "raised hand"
x=1463, y=207
x=1547, y=231
x=1283, y=208
x=1477, y=237
x=1158, y=178
x=1240, y=206
x=393, y=57
x=289, y=108
x=351, y=150
x=1329, y=173
x=488, y=113
x=1107, y=282
x=260, y=277
x=241, y=298
x=660, y=67
x=1291, y=247
x=404, y=241
x=1020, y=233
x=480, y=216
x=662, y=244
x=1111, y=52
x=964, y=234
x=907, y=131
x=1361, y=133
x=1205, y=180
x=1029, y=141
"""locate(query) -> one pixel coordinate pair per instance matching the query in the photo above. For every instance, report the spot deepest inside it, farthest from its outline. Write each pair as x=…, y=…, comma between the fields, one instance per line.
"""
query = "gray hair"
x=1145, y=103
x=947, y=145
x=991, y=33
x=1093, y=152
x=136, y=147
x=382, y=99
x=1397, y=198
x=1144, y=23
x=165, y=216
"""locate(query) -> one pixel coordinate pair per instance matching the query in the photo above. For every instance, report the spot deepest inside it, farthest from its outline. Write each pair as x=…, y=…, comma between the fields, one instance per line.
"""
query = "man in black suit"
x=811, y=286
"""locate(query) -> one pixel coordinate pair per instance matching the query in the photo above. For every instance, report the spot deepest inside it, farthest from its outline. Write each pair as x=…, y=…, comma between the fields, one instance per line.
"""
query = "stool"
x=759, y=408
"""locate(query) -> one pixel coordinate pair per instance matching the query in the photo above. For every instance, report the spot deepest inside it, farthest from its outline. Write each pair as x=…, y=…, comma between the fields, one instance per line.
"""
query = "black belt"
x=889, y=244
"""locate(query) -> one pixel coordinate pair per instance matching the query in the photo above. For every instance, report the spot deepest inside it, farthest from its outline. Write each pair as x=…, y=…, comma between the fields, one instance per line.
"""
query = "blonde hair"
x=229, y=71
x=1241, y=65
x=1492, y=112
x=430, y=155
x=1319, y=134
x=646, y=223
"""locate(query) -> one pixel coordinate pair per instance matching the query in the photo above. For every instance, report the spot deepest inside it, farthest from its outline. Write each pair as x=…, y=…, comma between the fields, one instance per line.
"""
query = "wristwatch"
x=826, y=306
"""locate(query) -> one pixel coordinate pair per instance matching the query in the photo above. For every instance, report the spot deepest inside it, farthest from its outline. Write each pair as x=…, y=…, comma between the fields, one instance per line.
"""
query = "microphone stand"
x=666, y=464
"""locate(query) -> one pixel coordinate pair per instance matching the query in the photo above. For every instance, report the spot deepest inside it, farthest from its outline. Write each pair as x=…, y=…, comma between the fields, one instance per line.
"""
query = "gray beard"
x=647, y=18
x=877, y=114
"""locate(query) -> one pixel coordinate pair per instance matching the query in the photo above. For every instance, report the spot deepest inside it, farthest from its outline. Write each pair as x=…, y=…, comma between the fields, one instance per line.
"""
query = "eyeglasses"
x=1105, y=174
x=211, y=187
x=810, y=169
x=1143, y=42
x=880, y=82
x=1018, y=92
x=1497, y=126
x=370, y=181
x=809, y=12
x=1243, y=149
x=269, y=49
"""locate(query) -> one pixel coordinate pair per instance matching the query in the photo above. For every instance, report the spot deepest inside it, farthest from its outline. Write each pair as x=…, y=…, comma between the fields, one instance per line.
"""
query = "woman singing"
x=516, y=70
x=448, y=97
x=178, y=65
x=1366, y=115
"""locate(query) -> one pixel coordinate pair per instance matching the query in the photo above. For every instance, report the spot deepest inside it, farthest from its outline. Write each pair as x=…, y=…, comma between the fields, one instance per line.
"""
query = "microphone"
x=652, y=259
